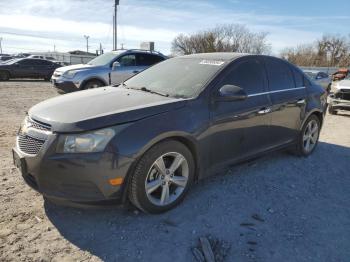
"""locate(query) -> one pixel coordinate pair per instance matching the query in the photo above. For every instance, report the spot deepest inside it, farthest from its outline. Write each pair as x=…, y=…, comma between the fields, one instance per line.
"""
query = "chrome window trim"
x=276, y=91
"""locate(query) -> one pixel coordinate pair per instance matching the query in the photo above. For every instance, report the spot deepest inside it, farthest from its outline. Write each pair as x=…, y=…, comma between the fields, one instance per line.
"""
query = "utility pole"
x=115, y=30
x=0, y=45
x=87, y=43
x=101, y=51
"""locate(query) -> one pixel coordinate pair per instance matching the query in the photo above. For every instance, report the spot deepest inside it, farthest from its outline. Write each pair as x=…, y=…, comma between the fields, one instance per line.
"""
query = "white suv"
x=108, y=69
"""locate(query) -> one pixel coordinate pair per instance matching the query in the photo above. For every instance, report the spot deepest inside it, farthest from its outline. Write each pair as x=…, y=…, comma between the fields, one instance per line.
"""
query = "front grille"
x=29, y=145
x=345, y=91
x=38, y=125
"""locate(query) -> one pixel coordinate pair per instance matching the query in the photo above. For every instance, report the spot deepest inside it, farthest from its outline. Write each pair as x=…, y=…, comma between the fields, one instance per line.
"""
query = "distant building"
x=71, y=57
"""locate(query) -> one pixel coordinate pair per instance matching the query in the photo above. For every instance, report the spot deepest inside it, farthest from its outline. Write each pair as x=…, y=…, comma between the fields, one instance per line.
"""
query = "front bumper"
x=336, y=101
x=65, y=86
x=73, y=179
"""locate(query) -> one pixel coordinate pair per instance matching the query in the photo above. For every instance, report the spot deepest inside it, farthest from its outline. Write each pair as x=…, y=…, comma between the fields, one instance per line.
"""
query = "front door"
x=127, y=68
x=241, y=128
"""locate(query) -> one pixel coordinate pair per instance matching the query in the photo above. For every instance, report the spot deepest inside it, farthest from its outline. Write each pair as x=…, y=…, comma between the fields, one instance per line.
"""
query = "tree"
x=222, y=38
x=330, y=50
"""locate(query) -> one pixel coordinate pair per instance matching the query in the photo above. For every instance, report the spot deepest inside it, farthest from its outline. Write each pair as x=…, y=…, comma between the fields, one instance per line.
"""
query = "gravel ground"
x=276, y=208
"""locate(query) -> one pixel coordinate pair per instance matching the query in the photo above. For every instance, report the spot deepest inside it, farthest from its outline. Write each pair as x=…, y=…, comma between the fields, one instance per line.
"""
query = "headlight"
x=70, y=74
x=94, y=141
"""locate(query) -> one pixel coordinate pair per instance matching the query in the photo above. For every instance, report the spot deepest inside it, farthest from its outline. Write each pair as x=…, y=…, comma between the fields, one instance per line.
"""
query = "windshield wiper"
x=145, y=89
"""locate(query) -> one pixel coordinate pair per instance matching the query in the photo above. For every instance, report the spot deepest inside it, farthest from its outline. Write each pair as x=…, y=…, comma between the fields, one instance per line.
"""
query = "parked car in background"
x=151, y=137
x=107, y=69
x=4, y=58
x=340, y=98
x=27, y=68
x=340, y=74
x=320, y=78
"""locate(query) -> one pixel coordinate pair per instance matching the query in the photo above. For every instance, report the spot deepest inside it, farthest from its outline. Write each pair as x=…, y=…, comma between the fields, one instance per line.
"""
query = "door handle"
x=135, y=72
x=301, y=101
x=264, y=111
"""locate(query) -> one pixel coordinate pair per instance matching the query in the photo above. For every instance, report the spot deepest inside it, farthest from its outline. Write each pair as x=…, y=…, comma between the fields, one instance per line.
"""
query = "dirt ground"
x=276, y=208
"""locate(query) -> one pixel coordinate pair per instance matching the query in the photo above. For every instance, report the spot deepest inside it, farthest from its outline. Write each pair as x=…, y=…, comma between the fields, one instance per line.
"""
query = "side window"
x=298, y=77
x=26, y=62
x=127, y=60
x=249, y=75
x=279, y=74
x=148, y=60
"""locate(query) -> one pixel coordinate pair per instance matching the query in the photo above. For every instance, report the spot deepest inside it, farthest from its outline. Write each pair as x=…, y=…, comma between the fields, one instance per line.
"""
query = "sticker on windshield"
x=211, y=62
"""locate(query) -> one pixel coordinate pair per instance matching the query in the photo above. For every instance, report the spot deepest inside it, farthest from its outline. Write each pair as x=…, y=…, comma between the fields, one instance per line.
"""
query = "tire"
x=329, y=88
x=4, y=76
x=92, y=84
x=312, y=137
x=331, y=110
x=47, y=78
x=148, y=173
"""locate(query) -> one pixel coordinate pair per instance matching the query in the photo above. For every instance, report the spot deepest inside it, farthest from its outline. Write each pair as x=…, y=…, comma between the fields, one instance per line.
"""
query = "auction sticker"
x=212, y=62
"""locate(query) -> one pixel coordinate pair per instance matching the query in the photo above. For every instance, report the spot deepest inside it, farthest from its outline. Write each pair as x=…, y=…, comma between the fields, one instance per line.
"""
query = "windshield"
x=177, y=77
x=310, y=74
x=103, y=59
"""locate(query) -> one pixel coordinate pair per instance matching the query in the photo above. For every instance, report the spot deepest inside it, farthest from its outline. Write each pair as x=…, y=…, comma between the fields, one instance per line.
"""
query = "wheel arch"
x=6, y=71
x=92, y=78
x=185, y=139
x=315, y=112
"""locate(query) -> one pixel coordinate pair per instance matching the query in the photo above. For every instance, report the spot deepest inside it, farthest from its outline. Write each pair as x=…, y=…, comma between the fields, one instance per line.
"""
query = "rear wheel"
x=92, y=84
x=162, y=177
x=308, y=137
x=331, y=110
x=4, y=76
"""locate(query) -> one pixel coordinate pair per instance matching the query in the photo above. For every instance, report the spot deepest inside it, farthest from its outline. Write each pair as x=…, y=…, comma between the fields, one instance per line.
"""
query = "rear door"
x=288, y=97
x=144, y=61
x=43, y=68
x=241, y=128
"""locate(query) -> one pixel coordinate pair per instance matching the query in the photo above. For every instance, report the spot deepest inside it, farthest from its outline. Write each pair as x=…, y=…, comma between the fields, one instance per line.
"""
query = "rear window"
x=298, y=77
x=279, y=74
x=148, y=60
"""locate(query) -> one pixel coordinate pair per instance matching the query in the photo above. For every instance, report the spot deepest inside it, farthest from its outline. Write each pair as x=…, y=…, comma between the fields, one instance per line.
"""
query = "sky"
x=42, y=25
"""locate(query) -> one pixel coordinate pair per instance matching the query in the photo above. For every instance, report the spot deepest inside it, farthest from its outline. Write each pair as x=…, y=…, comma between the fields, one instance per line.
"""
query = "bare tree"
x=330, y=50
x=223, y=38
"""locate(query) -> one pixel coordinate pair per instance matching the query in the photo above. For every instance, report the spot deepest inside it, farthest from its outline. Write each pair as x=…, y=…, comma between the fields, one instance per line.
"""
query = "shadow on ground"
x=303, y=203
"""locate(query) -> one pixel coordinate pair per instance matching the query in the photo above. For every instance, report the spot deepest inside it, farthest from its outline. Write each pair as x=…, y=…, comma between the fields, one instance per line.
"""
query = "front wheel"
x=308, y=137
x=4, y=76
x=92, y=84
x=162, y=177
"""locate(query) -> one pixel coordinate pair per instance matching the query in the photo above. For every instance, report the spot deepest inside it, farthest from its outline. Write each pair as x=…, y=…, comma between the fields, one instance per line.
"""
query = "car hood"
x=344, y=84
x=75, y=67
x=101, y=107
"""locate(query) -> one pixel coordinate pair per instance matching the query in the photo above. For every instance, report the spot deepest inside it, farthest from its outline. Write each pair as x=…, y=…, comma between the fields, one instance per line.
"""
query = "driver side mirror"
x=229, y=93
x=115, y=65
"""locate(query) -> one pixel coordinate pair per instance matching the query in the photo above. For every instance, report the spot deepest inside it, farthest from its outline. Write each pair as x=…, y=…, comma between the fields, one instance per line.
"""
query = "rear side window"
x=148, y=60
x=249, y=75
x=279, y=74
x=298, y=77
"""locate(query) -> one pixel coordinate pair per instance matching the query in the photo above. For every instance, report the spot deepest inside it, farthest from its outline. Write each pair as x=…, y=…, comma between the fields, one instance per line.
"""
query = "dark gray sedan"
x=148, y=139
x=27, y=68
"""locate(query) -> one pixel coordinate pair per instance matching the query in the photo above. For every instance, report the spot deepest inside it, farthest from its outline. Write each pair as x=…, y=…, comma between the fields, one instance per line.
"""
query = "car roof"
x=224, y=56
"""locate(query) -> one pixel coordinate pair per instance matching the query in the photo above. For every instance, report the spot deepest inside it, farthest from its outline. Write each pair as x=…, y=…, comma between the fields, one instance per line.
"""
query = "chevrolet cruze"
x=148, y=139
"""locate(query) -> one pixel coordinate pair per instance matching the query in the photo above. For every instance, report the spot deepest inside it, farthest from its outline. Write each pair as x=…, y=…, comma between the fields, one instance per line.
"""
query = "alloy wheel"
x=310, y=136
x=167, y=179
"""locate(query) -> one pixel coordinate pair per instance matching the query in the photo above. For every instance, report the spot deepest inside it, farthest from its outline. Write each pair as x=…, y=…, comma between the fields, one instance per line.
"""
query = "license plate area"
x=19, y=162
